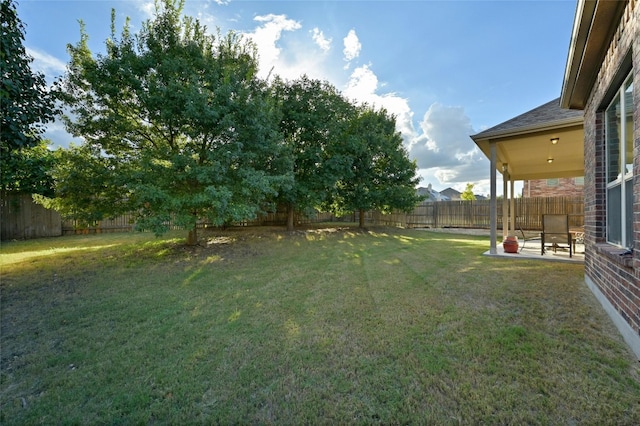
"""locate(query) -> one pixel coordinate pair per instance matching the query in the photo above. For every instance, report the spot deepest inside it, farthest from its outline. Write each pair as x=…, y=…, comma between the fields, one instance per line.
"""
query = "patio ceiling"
x=524, y=143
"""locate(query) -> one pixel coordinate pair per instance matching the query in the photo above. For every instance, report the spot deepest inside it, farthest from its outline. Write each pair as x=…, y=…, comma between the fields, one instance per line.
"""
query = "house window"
x=619, y=142
x=553, y=182
x=579, y=181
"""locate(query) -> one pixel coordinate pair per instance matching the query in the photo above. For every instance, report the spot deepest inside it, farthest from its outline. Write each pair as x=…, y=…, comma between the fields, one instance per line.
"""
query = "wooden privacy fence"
x=126, y=223
x=441, y=214
x=23, y=219
x=476, y=214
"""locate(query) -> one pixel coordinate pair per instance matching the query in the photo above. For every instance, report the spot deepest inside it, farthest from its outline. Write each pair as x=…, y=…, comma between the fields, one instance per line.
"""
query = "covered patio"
x=531, y=250
x=546, y=142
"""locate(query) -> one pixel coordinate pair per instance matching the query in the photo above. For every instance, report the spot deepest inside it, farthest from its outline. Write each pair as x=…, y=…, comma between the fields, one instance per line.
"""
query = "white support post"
x=493, y=208
x=505, y=202
x=513, y=207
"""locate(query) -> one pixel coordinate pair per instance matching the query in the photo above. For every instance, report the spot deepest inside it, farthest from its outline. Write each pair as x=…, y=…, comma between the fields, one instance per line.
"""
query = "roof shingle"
x=544, y=115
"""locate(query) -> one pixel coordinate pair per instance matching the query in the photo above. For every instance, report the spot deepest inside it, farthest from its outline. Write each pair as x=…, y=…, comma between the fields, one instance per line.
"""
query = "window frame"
x=623, y=182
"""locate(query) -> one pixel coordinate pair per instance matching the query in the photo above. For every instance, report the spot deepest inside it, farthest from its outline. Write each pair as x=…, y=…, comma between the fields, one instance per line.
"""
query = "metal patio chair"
x=525, y=238
x=555, y=233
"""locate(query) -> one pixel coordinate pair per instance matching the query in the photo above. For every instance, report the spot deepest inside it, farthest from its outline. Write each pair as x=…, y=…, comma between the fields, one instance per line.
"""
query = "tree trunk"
x=290, y=218
x=361, y=219
x=192, y=238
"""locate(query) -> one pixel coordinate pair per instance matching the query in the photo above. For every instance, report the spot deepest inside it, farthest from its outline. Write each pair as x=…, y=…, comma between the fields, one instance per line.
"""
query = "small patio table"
x=577, y=235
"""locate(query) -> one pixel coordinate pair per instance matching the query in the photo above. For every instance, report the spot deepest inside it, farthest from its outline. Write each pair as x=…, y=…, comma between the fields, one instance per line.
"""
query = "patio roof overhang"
x=523, y=144
x=526, y=151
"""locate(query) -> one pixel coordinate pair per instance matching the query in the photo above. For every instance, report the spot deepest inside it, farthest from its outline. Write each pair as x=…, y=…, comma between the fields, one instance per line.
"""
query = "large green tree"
x=314, y=119
x=380, y=176
x=27, y=105
x=184, y=126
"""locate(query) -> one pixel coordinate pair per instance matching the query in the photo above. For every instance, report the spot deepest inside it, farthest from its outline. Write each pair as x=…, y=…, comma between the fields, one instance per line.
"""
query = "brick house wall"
x=562, y=187
x=607, y=273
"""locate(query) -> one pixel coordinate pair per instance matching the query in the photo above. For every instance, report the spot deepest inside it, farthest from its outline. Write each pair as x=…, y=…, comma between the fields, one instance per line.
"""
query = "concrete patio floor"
x=531, y=251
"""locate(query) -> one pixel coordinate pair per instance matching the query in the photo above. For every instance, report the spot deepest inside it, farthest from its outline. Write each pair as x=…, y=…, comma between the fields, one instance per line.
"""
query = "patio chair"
x=525, y=238
x=555, y=232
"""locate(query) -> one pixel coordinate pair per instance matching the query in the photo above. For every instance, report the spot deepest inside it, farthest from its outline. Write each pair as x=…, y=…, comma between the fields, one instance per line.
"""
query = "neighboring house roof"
x=432, y=194
x=451, y=193
x=543, y=117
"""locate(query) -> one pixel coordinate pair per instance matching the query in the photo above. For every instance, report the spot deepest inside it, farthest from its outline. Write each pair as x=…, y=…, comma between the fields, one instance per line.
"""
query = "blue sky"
x=446, y=69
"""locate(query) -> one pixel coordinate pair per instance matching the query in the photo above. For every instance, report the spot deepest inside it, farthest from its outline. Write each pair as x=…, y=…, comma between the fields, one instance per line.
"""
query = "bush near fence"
x=23, y=219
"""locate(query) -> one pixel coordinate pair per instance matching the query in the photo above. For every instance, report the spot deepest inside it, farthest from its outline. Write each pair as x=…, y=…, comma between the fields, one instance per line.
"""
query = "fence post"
x=435, y=215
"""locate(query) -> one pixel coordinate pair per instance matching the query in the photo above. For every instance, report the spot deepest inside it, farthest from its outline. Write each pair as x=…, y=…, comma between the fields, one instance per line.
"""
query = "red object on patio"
x=510, y=244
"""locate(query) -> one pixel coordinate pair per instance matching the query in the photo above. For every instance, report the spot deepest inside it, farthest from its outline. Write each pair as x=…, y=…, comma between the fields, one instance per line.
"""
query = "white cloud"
x=293, y=56
x=319, y=38
x=148, y=8
x=352, y=47
x=266, y=38
x=446, y=155
x=363, y=86
x=45, y=63
x=440, y=143
x=446, y=139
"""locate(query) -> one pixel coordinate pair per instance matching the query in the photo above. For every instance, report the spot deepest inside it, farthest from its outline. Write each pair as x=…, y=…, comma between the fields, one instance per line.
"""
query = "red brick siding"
x=567, y=187
x=617, y=278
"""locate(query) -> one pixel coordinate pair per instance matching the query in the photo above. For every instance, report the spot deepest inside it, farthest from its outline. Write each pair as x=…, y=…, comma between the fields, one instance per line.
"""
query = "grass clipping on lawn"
x=318, y=326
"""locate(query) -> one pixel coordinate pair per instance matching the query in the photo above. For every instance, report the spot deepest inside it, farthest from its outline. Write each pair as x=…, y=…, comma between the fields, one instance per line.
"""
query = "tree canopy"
x=178, y=129
x=380, y=175
x=314, y=121
x=187, y=127
x=27, y=104
x=28, y=170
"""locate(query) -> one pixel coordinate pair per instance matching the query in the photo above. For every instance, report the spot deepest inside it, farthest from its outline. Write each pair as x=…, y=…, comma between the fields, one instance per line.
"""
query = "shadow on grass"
x=332, y=325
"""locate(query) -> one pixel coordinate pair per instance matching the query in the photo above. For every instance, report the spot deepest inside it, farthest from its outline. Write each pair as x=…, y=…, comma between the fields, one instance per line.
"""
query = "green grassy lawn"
x=260, y=326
